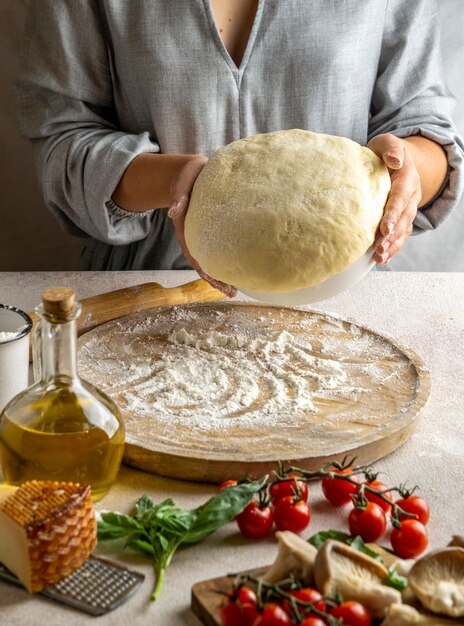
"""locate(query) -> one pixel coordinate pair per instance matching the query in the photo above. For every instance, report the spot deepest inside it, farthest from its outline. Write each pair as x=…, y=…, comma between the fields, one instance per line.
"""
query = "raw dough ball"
x=285, y=210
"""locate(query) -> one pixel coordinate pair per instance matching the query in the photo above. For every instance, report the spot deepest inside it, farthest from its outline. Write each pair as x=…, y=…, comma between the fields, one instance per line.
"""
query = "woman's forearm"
x=147, y=180
x=431, y=163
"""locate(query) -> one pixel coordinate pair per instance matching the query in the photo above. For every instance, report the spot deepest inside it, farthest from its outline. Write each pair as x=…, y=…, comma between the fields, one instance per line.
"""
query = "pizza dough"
x=286, y=210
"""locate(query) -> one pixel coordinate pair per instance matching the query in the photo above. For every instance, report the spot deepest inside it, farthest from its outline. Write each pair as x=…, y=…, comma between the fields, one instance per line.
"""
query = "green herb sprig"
x=159, y=529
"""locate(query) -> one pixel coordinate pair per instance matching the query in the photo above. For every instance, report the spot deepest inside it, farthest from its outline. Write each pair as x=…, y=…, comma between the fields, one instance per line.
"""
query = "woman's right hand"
x=181, y=188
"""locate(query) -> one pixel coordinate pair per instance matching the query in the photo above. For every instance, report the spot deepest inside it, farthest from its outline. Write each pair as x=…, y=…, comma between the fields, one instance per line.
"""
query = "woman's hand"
x=181, y=188
x=404, y=198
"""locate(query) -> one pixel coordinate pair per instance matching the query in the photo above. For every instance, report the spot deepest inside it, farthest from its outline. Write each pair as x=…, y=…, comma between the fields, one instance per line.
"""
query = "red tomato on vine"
x=272, y=615
x=410, y=539
x=227, y=483
x=352, y=613
x=255, y=520
x=417, y=505
x=312, y=620
x=372, y=497
x=289, y=487
x=293, y=514
x=239, y=608
x=306, y=594
x=339, y=491
x=369, y=523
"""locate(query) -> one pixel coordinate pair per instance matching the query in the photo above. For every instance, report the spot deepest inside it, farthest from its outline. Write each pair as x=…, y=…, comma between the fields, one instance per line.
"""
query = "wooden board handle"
x=113, y=304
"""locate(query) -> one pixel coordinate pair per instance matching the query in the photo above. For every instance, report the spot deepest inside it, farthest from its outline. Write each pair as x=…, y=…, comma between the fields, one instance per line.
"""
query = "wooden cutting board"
x=287, y=384
x=208, y=595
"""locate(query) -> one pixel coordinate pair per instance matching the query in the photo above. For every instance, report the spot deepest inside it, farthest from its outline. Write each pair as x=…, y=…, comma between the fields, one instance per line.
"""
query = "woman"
x=124, y=102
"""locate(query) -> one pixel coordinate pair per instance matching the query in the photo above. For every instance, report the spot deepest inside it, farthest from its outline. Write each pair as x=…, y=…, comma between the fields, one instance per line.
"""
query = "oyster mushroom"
x=295, y=556
x=339, y=569
x=438, y=581
x=404, y=615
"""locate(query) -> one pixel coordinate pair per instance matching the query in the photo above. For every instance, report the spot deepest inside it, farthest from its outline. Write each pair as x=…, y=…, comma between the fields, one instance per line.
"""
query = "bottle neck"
x=55, y=346
x=59, y=350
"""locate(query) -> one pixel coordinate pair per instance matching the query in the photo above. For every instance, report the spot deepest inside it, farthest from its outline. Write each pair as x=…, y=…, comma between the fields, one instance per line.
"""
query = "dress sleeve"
x=64, y=100
x=410, y=97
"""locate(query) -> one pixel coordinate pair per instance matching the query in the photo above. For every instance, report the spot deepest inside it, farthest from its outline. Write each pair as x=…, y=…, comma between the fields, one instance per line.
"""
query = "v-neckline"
x=220, y=44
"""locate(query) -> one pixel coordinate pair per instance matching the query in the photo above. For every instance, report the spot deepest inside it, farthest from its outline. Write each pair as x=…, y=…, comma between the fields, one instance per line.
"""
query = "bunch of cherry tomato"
x=372, y=503
x=279, y=605
x=284, y=503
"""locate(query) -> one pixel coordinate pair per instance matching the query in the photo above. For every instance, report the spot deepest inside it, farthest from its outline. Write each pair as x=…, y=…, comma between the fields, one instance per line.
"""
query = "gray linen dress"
x=105, y=80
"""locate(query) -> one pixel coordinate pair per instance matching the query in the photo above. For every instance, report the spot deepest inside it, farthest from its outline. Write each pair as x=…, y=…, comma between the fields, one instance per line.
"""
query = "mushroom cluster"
x=436, y=580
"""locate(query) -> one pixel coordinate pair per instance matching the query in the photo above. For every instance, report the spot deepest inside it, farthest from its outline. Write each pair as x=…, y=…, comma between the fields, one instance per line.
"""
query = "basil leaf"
x=143, y=506
x=220, y=509
x=356, y=543
x=175, y=521
x=319, y=539
x=148, y=513
x=116, y=525
x=395, y=580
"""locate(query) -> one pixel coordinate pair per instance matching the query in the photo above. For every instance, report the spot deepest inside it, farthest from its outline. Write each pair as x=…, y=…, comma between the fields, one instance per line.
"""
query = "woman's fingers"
x=387, y=247
x=394, y=248
x=390, y=149
x=405, y=186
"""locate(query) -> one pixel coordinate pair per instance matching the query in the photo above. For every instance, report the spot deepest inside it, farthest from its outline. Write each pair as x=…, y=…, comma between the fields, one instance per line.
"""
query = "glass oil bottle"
x=62, y=427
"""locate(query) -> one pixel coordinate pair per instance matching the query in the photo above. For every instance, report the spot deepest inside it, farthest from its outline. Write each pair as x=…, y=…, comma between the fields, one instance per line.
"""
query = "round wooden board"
x=288, y=384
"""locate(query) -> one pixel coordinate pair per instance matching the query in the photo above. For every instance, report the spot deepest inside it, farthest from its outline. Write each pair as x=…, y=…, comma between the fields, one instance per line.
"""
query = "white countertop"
x=424, y=311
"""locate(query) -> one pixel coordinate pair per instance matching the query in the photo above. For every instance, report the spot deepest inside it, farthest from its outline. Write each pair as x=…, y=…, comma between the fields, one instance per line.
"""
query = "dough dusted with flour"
x=285, y=210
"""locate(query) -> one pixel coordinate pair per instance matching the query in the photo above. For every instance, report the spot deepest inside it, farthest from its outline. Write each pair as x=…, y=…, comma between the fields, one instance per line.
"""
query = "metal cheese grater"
x=96, y=587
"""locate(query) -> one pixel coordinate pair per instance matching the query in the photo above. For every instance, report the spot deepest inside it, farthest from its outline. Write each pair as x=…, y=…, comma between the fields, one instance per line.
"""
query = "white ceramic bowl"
x=328, y=288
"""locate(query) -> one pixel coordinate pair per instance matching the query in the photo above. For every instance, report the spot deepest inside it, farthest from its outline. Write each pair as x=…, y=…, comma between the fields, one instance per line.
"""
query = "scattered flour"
x=211, y=375
x=7, y=336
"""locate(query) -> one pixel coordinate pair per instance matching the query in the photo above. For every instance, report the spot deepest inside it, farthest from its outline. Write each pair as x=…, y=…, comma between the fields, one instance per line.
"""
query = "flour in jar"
x=8, y=335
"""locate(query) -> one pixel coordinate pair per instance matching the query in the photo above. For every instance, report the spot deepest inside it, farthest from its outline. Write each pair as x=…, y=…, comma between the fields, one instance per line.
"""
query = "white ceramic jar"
x=15, y=326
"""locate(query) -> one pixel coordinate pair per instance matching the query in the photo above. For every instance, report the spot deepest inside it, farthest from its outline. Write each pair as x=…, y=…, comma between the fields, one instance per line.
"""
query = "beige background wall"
x=31, y=240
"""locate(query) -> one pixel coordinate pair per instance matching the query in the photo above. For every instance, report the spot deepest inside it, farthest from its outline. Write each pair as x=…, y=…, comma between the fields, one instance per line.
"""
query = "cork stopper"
x=58, y=301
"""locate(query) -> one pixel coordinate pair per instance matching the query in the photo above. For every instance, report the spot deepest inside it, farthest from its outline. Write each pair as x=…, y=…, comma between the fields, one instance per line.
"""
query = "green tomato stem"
x=325, y=473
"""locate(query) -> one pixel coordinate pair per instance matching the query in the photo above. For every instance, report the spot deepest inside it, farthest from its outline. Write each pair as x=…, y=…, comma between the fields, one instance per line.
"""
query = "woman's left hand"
x=404, y=198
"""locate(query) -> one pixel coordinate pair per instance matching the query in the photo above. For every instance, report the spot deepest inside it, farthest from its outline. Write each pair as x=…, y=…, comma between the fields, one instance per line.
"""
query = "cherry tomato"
x=338, y=491
x=306, y=594
x=369, y=523
x=272, y=615
x=289, y=488
x=352, y=613
x=227, y=483
x=239, y=608
x=291, y=514
x=410, y=539
x=372, y=497
x=417, y=505
x=255, y=521
x=312, y=620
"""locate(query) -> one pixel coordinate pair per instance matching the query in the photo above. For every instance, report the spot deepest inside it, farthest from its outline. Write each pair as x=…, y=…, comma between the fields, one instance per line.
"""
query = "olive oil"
x=61, y=428
x=70, y=437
